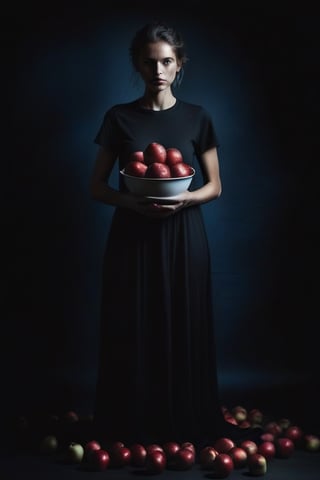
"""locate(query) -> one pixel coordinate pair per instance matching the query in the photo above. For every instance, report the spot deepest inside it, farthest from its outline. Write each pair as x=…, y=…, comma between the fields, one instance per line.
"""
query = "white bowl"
x=157, y=187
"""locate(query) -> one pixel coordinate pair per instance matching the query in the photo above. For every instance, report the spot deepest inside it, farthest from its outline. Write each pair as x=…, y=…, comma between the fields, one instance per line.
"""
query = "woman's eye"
x=151, y=63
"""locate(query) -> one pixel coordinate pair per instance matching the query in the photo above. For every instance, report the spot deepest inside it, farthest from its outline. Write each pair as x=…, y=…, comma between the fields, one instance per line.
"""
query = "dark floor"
x=299, y=403
x=301, y=466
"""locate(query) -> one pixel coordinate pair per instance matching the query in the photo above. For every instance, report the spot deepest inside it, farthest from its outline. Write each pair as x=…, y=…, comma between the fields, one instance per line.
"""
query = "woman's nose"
x=158, y=68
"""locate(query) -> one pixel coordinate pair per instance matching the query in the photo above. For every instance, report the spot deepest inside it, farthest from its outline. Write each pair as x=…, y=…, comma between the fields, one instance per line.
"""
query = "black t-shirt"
x=128, y=127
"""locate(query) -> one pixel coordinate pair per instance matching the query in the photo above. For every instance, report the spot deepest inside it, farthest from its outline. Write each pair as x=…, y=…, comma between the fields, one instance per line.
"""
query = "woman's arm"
x=101, y=190
x=211, y=188
x=99, y=187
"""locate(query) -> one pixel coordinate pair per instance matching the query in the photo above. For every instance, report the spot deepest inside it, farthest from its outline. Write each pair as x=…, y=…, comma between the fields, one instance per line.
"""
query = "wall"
x=253, y=70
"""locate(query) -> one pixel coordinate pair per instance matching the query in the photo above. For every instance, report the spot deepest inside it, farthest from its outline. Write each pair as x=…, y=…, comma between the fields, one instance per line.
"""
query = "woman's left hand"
x=167, y=206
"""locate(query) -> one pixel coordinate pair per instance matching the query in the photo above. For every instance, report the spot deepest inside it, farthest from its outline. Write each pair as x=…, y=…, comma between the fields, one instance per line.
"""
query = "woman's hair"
x=155, y=32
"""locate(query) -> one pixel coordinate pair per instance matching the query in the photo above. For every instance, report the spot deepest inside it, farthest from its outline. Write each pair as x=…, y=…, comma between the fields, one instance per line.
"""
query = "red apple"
x=116, y=445
x=267, y=449
x=240, y=413
x=267, y=437
x=173, y=156
x=311, y=442
x=121, y=457
x=249, y=446
x=244, y=424
x=239, y=456
x=154, y=447
x=273, y=427
x=170, y=449
x=257, y=464
x=223, y=444
x=180, y=169
x=71, y=417
x=230, y=418
x=184, y=458
x=156, y=461
x=99, y=460
x=294, y=432
x=155, y=152
x=189, y=445
x=207, y=457
x=223, y=465
x=284, y=447
x=158, y=170
x=138, y=455
x=137, y=156
x=135, y=168
x=90, y=447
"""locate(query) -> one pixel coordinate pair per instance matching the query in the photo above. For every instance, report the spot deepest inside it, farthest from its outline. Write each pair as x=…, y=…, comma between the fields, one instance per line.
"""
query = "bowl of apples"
x=157, y=172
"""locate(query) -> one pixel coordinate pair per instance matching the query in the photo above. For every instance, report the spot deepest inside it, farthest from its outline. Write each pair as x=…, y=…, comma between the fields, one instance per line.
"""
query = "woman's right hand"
x=149, y=208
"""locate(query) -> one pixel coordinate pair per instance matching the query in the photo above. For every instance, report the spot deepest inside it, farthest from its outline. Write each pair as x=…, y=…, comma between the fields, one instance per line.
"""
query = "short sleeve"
x=108, y=133
x=207, y=135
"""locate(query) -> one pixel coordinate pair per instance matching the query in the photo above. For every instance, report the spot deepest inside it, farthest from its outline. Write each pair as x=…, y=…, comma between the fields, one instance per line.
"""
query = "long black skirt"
x=157, y=377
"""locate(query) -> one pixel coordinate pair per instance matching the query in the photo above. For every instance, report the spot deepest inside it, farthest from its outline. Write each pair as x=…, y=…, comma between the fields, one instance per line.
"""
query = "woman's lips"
x=158, y=81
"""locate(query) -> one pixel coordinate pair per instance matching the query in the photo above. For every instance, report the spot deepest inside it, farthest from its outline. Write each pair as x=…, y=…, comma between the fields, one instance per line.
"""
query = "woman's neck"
x=157, y=102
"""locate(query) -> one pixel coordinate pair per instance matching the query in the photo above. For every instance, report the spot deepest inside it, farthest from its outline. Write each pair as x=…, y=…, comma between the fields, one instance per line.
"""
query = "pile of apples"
x=156, y=161
x=278, y=439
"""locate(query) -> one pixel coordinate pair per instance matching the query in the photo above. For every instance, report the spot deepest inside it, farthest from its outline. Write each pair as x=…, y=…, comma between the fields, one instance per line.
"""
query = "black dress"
x=157, y=376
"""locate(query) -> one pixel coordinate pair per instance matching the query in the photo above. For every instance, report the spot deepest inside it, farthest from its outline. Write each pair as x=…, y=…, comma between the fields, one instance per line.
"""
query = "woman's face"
x=158, y=66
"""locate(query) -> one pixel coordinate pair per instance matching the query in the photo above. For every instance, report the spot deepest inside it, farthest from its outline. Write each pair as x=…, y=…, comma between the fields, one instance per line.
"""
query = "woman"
x=157, y=369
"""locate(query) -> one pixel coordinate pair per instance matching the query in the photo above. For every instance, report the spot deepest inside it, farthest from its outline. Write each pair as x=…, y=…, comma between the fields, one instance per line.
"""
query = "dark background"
x=255, y=70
